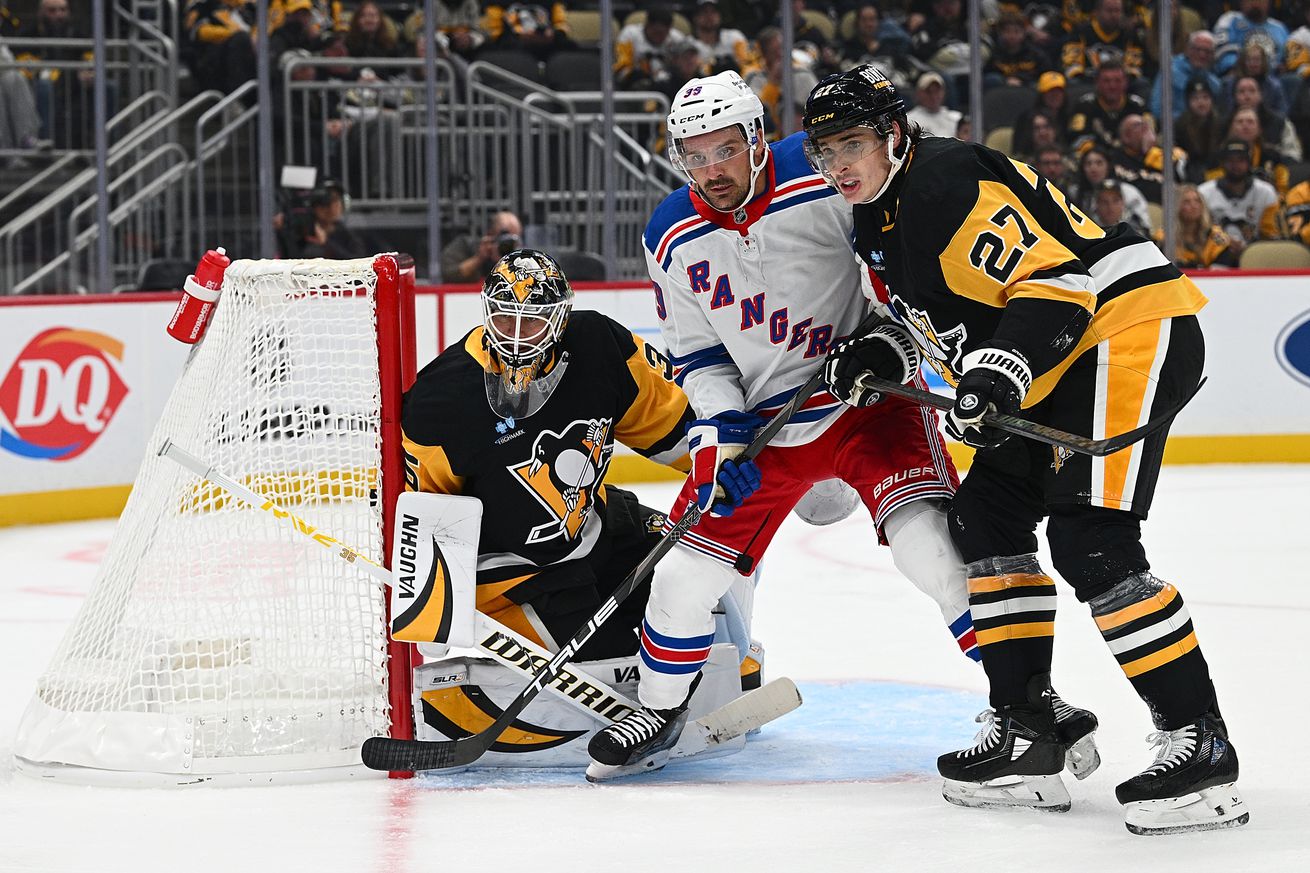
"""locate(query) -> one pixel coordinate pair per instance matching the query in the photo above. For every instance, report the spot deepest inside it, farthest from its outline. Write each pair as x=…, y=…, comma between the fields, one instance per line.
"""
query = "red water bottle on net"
x=200, y=293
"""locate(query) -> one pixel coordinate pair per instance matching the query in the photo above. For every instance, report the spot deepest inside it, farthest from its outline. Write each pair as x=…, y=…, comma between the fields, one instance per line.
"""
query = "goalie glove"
x=887, y=352
x=996, y=378
x=721, y=483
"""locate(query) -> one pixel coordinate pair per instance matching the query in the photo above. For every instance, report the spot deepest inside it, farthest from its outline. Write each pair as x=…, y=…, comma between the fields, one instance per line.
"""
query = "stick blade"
x=411, y=756
x=750, y=711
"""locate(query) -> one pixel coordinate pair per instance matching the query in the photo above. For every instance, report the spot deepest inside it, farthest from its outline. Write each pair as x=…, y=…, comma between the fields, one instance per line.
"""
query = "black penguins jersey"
x=972, y=246
x=540, y=479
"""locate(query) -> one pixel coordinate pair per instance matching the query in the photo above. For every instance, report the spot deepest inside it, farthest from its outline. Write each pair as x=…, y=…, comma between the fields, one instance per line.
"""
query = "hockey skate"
x=1076, y=729
x=640, y=742
x=1015, y=759
x=1190, y=787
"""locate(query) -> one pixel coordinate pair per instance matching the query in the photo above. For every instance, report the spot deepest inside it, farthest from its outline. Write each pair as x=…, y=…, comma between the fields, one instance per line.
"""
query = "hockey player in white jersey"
x=753, y=285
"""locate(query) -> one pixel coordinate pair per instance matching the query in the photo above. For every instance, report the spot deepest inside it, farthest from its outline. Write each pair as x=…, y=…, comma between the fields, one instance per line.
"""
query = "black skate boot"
x=1076, y=729
x=1190, y=787
x=640, y=742
x=1015, y=760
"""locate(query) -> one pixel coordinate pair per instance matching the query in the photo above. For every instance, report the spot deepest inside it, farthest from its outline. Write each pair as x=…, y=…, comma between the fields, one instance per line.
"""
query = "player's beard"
x=724, y=199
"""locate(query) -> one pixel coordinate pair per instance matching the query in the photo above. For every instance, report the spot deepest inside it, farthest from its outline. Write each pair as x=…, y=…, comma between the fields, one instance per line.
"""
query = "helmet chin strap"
x=896, y=163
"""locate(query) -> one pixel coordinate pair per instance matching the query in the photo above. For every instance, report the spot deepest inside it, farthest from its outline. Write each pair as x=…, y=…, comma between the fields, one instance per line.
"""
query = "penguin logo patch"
x=563, y=473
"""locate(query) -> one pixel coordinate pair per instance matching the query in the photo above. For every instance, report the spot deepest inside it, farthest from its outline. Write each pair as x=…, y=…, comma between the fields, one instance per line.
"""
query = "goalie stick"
x=1031, y=429
x=745, y=713
x=385, y=753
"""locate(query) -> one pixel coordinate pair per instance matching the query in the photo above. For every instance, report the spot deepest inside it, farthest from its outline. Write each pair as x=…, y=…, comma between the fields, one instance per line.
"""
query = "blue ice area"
x=854, y=731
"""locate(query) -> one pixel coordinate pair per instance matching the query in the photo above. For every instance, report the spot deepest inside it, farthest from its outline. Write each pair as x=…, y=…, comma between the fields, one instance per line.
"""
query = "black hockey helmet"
x=862, y=97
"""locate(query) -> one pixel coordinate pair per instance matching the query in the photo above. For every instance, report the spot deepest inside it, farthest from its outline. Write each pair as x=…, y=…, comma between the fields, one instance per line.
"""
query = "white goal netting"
x=216, y=639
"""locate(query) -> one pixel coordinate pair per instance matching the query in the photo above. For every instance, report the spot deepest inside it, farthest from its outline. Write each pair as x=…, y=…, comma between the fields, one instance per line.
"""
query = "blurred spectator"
x=1109, y=35
x=1108, y=208
x=325, y=14
x=222, y=46
x=325, y=235
x=1253, y=63
x=1197, y=62
x=803, y=30
x=1040, y=133
x=748, y=16
x=1139, y=161
x=19, y=122
x=299, y=30
x=458, y=26
x=765, y=80
x=468, y=257
x=1051, y=166
x=1273, y=126
x=1186, y=21
x=1199, y=130
x=685, y=62
x=1052, y=101
x=877, y=40
x=1095, y=117
x=1250, y=20
x=1014, y=60
x=1199, y=242
x=1094, y=167
x=943, y=43
x=722, y=48
x=1266, y=161
x=63, y=102
x=373, y=34
x=1294, y=219
x=1244, y=206
x=964, y=129
x=9, y=20
x=529, y=28
x=1298, y=46
x=641, y=49
x=1075, y=13
x=929, y=110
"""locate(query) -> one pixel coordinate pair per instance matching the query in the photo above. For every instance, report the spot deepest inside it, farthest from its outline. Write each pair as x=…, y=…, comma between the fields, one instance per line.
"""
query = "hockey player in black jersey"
x=524, y=414
x=1020, y=301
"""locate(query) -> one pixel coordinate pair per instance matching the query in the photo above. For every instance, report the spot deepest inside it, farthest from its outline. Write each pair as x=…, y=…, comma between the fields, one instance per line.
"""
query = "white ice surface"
x=832, y=611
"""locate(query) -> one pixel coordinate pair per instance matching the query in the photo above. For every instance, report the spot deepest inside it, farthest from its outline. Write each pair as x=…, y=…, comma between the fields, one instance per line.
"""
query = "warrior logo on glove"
x=562, y=474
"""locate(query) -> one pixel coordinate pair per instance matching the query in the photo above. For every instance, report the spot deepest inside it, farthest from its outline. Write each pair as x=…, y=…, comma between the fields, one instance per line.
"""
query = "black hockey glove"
x=996, y=378
x=887, y=352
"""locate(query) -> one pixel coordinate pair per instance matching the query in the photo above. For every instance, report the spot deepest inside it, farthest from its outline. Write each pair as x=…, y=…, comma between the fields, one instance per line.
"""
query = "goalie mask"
x=526, y=303
x=862, y=97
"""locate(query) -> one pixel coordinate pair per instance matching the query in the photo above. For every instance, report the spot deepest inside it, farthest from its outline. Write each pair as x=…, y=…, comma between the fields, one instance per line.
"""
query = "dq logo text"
x=60, y=394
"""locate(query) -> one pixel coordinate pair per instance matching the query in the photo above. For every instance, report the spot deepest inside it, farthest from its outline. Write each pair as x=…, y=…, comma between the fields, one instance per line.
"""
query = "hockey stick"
x=385, y=753
x=1031, y=429
x=518, y=653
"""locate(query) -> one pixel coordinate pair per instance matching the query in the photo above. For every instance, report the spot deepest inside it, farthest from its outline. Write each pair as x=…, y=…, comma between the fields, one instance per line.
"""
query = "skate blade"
x=1210, y=809
x=1046, y=793
x=1081, y=759
x=597, y=772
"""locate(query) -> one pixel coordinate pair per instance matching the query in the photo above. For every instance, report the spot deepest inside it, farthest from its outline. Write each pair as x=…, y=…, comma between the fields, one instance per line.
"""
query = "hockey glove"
x=721, y=483
x=996, y=378
x=887, y=352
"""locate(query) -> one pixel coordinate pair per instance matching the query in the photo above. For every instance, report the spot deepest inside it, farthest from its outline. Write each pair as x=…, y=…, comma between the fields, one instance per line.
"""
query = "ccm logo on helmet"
x=686, y=119
x=819, y=118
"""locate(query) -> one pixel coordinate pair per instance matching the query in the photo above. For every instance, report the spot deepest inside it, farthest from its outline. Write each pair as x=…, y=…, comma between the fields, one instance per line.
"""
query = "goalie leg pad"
x=1046, y=793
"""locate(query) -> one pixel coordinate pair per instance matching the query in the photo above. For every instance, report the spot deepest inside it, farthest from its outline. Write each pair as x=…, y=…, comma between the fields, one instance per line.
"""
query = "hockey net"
x=216, y=643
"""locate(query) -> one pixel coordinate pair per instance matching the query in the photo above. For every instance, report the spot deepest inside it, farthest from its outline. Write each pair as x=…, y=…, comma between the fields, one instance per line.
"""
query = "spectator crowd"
x=1072, y=87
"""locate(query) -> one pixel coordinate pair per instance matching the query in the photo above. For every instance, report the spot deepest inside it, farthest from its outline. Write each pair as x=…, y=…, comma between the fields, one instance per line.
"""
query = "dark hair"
x=1111, y=64
x=660, y=16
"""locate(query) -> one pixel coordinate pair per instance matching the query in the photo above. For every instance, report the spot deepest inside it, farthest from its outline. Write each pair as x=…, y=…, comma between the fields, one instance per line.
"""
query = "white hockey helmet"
x=713, y=103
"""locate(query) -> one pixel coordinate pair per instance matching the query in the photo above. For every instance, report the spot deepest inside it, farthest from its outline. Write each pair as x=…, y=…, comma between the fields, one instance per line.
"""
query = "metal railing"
x=226, y=152
x=40, y=235
x=146, y=203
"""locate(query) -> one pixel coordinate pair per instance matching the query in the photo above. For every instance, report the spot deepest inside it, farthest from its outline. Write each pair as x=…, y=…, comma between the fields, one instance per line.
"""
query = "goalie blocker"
x=478, y=665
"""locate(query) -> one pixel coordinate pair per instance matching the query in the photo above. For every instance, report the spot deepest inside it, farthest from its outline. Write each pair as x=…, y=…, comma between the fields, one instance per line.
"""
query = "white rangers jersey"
x=749, y=309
